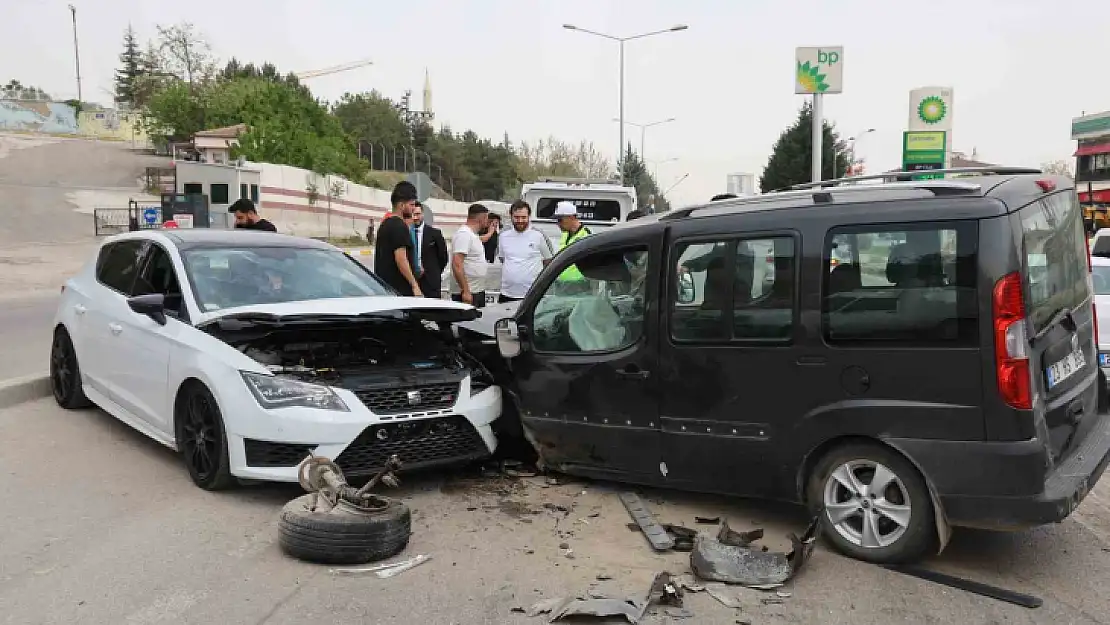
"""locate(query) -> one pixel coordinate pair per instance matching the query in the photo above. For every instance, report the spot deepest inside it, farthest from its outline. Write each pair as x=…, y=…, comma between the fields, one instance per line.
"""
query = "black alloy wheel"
x=65, y=376
x=201, y=440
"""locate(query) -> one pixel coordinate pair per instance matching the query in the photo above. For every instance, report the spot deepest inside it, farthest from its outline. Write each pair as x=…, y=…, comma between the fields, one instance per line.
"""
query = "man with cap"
x=566, y=213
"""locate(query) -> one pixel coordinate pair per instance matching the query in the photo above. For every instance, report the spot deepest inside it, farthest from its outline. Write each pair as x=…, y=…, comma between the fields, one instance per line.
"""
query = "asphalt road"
x=104, y=527
x=25, y=334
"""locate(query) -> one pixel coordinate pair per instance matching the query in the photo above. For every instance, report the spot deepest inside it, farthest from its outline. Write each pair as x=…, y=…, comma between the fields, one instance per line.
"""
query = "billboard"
x=931, y=109
x=924, y=150
x=819, y=70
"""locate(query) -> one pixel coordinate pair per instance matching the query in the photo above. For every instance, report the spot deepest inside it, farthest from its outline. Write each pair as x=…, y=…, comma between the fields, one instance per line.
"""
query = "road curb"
x=23, y=389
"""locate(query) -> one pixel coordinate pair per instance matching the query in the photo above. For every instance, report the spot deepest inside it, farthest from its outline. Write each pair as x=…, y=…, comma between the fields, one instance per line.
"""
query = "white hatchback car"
x=245, y=351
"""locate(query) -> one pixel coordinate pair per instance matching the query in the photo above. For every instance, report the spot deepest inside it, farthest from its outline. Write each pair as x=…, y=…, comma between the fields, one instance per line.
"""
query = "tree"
x=373, y=121
x=1058, y=168
x=131, y=69
x=183, y=52
x=552, y=157
x=15, y=90
x=636, y=174
x=792, y=157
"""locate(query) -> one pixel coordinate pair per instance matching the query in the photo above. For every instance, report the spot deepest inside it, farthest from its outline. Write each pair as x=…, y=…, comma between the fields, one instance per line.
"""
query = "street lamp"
x=643, y=130
x=852, y=144
x=76, y=54
x=655, y=166
x=621, y=40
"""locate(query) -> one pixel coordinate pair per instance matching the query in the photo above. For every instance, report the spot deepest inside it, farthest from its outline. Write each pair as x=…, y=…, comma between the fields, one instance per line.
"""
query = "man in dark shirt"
x=393, y=246
x=247, y=218
x=490, y=236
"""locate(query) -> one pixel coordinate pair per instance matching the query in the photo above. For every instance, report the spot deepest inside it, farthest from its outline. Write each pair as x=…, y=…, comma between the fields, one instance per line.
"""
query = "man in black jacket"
x=430, y=254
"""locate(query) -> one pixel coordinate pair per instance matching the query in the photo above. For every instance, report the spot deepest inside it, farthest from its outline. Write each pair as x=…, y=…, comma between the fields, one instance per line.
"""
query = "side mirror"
x=687, y=292
x=508, y=335
x=152, y=305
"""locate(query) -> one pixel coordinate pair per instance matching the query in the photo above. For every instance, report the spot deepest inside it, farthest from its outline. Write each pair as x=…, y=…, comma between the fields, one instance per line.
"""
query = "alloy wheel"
x=61, y=368
x=202, y=437
x=867, y=504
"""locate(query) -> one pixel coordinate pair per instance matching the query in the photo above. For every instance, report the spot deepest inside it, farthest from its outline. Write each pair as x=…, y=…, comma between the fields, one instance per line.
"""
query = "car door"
x=143, y=347
x=586, y=379
x=116, y=268
x=727, y=357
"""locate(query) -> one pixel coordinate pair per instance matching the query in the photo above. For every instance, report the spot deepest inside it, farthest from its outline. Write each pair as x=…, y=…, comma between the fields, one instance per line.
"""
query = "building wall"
x=284, y=199
x=113, y=125
x=37, y=116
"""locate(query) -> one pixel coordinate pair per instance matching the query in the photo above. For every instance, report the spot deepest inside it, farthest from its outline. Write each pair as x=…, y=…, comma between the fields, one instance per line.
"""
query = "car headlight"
x=275, y=392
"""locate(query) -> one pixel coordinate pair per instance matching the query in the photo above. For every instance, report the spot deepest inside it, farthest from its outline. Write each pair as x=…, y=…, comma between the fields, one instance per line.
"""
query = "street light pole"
x=621, y=41
x=852, y=146
x=643, y=131
x=76, y=52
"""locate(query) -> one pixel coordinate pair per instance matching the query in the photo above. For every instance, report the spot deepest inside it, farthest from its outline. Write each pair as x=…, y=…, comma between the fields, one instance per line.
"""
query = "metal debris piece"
x=683, y=537
x=656, y=535
x=707, y=520
x=402, y=566
x=716, y=561
x=602, y=577
x=665, y=591
x=631, y=609
x=729, y=536
x=678, y=613
x=784, y=594
x=547, y=605
x=771, y=601
x=979, y=588
x=723, y=594
x=689, y=583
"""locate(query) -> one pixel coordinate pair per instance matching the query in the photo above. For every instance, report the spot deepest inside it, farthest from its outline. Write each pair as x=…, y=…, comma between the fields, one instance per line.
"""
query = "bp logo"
x=810, y=78
x=931, y=110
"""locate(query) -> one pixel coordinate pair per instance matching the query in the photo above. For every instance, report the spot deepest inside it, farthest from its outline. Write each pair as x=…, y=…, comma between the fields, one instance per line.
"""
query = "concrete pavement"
x=110, y=530
x=25, y=333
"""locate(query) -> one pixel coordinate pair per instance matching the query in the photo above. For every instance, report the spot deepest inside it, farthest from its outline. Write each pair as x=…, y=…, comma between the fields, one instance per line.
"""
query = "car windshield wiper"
x=1062, y=316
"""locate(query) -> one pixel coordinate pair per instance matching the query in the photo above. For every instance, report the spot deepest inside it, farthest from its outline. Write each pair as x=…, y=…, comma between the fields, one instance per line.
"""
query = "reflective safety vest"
x=571, y=273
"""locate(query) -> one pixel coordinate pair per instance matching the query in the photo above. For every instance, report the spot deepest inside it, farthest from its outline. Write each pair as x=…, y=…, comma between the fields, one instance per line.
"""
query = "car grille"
x=409, y=398
x=419, y=443
x=265, y=454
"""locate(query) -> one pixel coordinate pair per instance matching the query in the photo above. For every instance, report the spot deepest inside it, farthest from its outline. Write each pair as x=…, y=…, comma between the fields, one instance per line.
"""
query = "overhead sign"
x=924, y=151
x=819, y=70
x=931, y=109
x=1091, y=126
x=150, y=215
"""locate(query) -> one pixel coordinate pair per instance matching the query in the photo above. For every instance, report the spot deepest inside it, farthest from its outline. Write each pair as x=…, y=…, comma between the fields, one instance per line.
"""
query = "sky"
x=1019, y=69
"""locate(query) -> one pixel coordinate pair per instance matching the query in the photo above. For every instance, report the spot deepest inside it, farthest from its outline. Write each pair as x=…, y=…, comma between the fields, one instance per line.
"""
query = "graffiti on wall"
x=37, y=116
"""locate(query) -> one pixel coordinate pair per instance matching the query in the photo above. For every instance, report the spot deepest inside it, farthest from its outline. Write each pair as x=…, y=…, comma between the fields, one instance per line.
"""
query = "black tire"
x=919, y=534
x=65, y=373
x=343, y=538
x=202, y=439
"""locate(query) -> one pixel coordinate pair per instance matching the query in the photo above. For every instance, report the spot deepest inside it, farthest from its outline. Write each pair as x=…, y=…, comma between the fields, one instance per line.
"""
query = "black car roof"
x=196, y=238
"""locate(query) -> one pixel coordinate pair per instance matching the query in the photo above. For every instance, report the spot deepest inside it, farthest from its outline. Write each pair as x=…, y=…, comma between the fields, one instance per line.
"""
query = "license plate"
x=491, y=298
x=1104, y=360
x=1064, y=368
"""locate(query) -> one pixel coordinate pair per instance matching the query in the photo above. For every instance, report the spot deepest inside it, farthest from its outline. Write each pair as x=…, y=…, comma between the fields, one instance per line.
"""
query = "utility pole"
x=76, y=51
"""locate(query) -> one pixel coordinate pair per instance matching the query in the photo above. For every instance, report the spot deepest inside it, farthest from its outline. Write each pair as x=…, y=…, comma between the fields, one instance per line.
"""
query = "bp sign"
x=924, y=150
x=819, y=70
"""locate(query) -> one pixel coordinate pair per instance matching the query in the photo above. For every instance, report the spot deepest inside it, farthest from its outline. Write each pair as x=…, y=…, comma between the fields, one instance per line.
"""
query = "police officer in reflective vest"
x=566, y=213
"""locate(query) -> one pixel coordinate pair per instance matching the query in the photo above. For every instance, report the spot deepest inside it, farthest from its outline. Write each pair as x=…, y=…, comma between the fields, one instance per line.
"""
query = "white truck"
x=601, y=203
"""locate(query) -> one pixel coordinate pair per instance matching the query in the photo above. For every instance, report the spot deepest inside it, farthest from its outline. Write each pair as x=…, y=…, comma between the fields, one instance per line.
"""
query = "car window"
x=159, y=276
x=118, y=264
x=733, y=290
x=911, y=285
x=245, y=276
x=596, y=310
x=1100, y=276
x=1055, y=256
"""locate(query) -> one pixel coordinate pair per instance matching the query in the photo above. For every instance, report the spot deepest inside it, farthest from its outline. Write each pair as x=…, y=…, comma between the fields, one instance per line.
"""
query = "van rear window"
x=596, y=210
x=1055, y=256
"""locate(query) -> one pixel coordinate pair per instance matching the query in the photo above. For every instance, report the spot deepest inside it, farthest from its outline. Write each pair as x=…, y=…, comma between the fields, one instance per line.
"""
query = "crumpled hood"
x=483, y=325
x=438, y=310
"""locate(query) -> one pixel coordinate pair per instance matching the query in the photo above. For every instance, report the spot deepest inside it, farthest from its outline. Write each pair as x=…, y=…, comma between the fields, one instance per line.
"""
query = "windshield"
x=590, y=210
x=1055, y=257
x=231, y=277
x=1100, y=275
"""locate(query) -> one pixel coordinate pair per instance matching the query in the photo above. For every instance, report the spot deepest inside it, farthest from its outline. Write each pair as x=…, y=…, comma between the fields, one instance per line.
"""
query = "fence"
x=109, y=221
x=161, y=180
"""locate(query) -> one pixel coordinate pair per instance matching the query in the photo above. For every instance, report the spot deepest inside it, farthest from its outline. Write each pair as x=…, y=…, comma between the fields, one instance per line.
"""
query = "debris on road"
x=724, y=595
x=729, y=536
x=632, y=610
x=658, y=537
x=335, y=523
x=703, y=520
x=386, y=570
x=689, y=583
x=978, y=588
x=714, y=560
x=665, y=591
x=683, y=537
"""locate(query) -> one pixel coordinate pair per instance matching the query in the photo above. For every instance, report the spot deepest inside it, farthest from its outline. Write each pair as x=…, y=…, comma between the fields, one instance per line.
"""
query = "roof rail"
x=907, y=176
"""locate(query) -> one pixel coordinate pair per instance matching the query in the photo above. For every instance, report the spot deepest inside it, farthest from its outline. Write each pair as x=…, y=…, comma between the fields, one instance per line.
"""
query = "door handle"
x=79, y=309
x=115, y=328
x=634, y=373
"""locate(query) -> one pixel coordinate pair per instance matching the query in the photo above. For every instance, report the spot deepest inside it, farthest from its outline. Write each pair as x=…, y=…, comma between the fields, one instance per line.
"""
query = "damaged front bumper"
x=269, y=444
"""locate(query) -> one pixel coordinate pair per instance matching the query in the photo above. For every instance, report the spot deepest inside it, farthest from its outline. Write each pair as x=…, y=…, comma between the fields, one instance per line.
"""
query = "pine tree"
x=791, y=159
x=637, y=175
x=130, y=71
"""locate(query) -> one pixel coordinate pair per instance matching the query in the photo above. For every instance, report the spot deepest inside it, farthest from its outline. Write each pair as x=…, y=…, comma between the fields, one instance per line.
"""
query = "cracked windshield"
x=496, y=312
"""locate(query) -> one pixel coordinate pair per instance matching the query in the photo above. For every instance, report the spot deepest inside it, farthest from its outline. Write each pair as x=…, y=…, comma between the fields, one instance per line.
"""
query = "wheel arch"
x=810, y=460
x=178, y=398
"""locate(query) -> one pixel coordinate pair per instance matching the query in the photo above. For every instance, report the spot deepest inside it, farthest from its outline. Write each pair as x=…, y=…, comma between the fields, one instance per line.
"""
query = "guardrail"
x=109, y=221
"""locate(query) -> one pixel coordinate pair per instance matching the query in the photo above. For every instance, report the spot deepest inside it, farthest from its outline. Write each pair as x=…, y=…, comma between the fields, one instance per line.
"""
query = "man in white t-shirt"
x=524, y=251
x=468, y=259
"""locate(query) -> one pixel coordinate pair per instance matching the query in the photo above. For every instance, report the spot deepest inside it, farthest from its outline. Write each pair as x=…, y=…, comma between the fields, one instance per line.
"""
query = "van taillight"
x=1011, y=345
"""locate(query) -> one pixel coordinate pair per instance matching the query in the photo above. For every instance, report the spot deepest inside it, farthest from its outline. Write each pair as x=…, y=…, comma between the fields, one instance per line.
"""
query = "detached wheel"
x=65, y=374
x=875, y=504
x=343, y=537
x=201, y=439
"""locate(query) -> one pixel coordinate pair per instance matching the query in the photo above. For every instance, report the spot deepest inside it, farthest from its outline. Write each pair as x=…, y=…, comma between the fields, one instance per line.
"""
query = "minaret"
x=427, y=95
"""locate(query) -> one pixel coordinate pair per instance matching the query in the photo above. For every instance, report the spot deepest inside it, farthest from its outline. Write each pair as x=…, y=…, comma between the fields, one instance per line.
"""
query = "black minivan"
x=900, y=357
